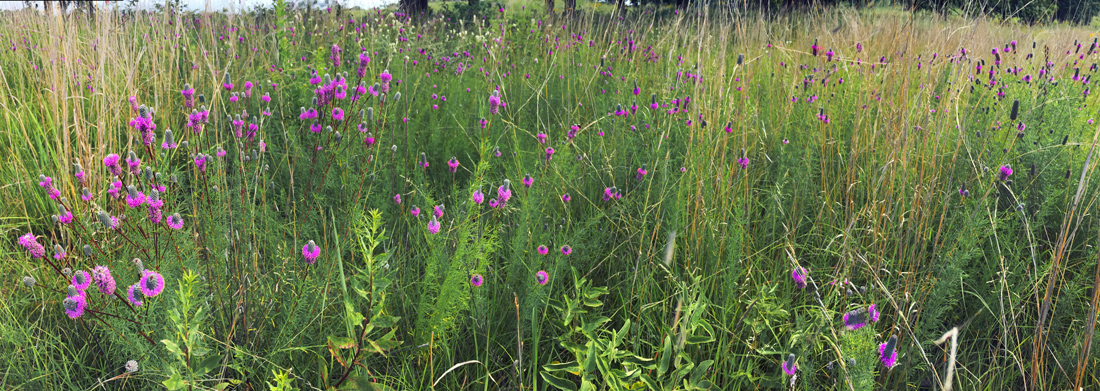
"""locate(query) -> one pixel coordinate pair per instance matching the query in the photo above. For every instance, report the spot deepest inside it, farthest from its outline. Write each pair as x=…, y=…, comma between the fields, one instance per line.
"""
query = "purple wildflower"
x=47, y=183
x=437, y=212
x=542, y=278
x=641, y=172
x=565, y=197
x=433, y=226
x=504, y=192
x=799, y=276
x=397, y=199
x=151, y=283
x=478, y=198
x=789, y=366
x=875, y=314
x=415, y=211
x=566, y=250
x=1006, y=171
x=888, y=352
x=59, y=252
x=134, y=198
x=134, y=299
x=452, y=164
x=543, y=250
x=549, y=153
x=74, y=305
x=338, y=114
x=81, y=280
x=103, y=280
x=175, y=221
x=30, y=243
x=476, y=280
x=854, y=320
x=310, y=252
x=528, y=181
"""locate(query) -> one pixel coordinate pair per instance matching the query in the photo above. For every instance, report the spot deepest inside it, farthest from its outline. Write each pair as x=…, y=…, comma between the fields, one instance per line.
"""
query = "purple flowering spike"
x=476, y=280
x=310, y=252
x=29, y=242
x=799, y=277
x=888, y=352
x=789, y=366
x=542, y=277
x=151, y=283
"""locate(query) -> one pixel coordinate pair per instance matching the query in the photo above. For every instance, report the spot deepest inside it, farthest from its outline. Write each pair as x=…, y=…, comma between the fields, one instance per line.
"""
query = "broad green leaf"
x=558, y=382
x=700, y=371
x=173, y=348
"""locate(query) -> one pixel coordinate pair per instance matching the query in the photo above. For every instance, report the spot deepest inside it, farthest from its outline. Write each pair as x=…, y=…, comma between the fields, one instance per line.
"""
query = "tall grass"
x=765, y=156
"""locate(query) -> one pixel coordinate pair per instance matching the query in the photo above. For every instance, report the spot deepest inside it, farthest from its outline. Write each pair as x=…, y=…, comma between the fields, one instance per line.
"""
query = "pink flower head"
x=542, y=277
x=888, y=352
x=799, y=277
x=541, y=137
x=200, y=162
x=549, y=153
x=338, y=114
x=565, y=197
x=397, y=199
x=566, y=250
x=543, y=250
x=47, y=183
x=874, y=313
x=476, y=280
x=452, y=164
x=134, y=198
x=151, y=283
x=175, y=221
x=132, y=296
x=854, y=320
x=58, y=252
x=528, y=181
x=64, y=216
x=1006, y=171
x=494, y=103
x=310, y=252
x=478, y=197
x=433, y=226
x=789, y=366
x=103, y=280
x=415, y=211
x=493, y=203
x=438, y=211
x=74, y=305
x=641, y=172
x=504, y=192
x=81, y=280
x=29, y=242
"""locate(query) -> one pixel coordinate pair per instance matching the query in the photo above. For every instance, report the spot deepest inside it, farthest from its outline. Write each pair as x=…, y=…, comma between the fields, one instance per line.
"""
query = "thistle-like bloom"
x=103, y=280
x=543, y=250
x=799, y=277
x=478, y=197
x=131, y=366
x=437, y=212
x=743, y=161
x=59, y=252
x=151, y=283
x=415, y=211
x=134, y=163
x=493, y=203
x=200, y=162
x=854, y=320
x=29, y=242
x=888, y=352
x=566, y=250
x=133, y=298
x=81, y=280
x=107, y=220
x=476, y=280
x=85, y=194
x=116, y=188
x=169, y=141
x=963, y=191
x=227, y=83
x=433, y=226
x=528, y=181
x=641, y=172
x=789, y=366
x=611, y=193
x=175, y=221
x=504, y=192
x=385, y=77
x=28, y=281
x=541, y=137
x=423, y=160
x=74, y=305
x=875, y=314
x=310, y=251
x=64, y=216
x=565, y=197
x=542, y=278
x=134, y=198
x=452, y=164
x=549, y=153
x=397, y=199
x=338, y=114
x=494, y=104
x=47, y=183
x=1006, y=171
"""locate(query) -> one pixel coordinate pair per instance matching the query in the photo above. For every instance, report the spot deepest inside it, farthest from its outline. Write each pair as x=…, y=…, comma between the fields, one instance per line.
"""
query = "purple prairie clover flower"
x=799, y=277
x=875, y=314
x=175, y=221
x=789, y=366
x=542, y=277
x=543, y=250
x=134, y=198
x=310, y=252
x=493, y=203
x=385, y=77
x=369, y=140
x=528, y=181
x=188, y=95
x=266, y=98
x=829, y=55
x=476, y=280
x=1006, y=171
x=854, y=320
x=478, y=197
x=433, y=226
x=565, y=197
x=549, y=153
x=437, y=212
x=59, y=252
x=785, y=141
x=452, y=164
x=397, y=199
x=504, y=192
x=101, y=275
x=47, y=183
x=415, y=211
x=29, y=242
x=335, y=57
x=963, y=191
x=169, y=141
x=423, y=160
x=566, y=250
x=315, y=127
x=81, y=280
x=116, y=188
x=496, y=151
x=74, y=305
x=151, y=283
x=200, y=162
x=134, y=299
x=611, y=193
x=155, y=215
x=494, y=104
x=338, y=114
x=227, y=83
x=541, y=137
x=64, y=216
x=888, y=353
x=641, y=172
x=729, y=127
x=134, y=163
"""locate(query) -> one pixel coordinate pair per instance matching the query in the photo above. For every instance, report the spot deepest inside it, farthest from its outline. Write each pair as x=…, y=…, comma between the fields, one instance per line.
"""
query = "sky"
x=217, y=5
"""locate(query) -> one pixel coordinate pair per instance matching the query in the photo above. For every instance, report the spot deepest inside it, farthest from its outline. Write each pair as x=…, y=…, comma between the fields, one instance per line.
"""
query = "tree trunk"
x=414, y=7
x=570, y=6
x=550, y=6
